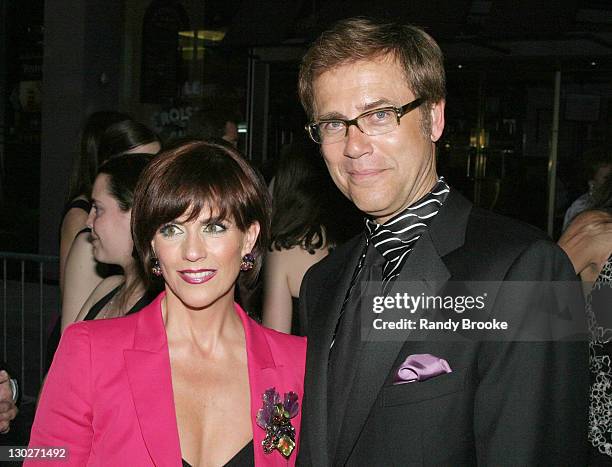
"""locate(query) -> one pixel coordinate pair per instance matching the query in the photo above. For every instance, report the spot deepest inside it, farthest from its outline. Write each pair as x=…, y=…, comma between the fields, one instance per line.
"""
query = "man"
x=375, y=94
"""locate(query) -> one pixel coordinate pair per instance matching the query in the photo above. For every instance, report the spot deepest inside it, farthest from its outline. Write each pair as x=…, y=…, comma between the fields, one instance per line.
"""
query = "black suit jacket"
x=505, y=403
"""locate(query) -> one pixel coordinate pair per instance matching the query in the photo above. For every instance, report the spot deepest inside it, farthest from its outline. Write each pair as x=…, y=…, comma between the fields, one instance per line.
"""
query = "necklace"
x=107, y=311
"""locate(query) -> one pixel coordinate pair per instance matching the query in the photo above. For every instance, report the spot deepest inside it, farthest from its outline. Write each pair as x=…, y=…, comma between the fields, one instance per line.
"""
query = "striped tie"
x=396, y=238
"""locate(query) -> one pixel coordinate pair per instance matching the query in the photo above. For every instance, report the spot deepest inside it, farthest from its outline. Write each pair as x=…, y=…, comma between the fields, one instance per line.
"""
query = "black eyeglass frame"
x=399, y=113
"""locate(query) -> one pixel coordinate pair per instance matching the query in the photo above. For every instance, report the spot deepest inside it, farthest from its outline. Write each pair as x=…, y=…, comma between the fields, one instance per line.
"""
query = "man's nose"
x=357, y=143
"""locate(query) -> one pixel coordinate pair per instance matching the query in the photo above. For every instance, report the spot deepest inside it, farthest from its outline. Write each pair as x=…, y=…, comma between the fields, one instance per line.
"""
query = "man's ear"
x=250, y=237
x=437, y=120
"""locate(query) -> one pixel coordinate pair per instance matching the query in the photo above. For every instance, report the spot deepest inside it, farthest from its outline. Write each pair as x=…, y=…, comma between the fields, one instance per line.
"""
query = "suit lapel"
x=446, y=233
x=148, y=370
x=320, y=335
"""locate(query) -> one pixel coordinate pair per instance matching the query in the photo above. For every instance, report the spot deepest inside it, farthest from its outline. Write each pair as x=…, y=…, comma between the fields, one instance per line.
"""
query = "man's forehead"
x=386, y=60
x=373, y=82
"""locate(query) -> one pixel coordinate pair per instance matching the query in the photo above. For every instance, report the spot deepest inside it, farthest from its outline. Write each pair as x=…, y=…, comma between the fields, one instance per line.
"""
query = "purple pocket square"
x=421, y=367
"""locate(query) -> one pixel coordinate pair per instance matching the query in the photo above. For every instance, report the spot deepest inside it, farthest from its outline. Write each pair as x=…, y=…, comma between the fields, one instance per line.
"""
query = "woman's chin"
x=197, y=299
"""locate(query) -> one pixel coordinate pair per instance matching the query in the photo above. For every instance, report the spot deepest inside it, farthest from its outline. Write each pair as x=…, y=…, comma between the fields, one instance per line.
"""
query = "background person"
x=185, y=377
x=599, y=166
x=588, y=243
x=213, y=124
x=9, y=395
x=83, y=268
x=111, y=237
x=81, y=275
x=84, y=167
x=304, y=229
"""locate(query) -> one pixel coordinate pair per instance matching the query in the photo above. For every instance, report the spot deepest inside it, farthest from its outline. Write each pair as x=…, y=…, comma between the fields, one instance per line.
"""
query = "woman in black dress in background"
x=106, y=134
x=588, y=243
x=109, y=221
x=84, y=167
x=310, y=216
x=82, y=272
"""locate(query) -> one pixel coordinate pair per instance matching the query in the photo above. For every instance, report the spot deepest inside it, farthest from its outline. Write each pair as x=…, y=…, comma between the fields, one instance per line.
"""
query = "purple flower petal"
x=291, y=404
x=271, y=396
x=262, y=418
x=264, y=415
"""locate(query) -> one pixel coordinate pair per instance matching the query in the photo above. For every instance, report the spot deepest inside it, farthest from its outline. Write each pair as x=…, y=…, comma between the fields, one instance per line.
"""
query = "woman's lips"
x=197, y=276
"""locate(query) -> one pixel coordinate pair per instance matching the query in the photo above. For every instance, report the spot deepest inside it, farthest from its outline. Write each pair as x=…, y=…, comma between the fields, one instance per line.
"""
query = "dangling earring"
x=156, y=268
x=248, y=261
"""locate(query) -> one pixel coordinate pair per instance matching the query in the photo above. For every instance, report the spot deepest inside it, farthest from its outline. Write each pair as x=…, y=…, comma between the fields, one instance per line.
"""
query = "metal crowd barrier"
x=30, y=305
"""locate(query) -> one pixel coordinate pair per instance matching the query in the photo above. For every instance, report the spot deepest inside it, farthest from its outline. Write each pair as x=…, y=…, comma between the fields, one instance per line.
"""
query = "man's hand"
x=8, y=409
x=588, y=240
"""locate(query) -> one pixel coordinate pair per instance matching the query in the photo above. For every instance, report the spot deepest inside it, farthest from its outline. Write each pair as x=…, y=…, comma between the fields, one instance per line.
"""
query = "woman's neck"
x=132, y=277
x=131, y=289
x=212, y=329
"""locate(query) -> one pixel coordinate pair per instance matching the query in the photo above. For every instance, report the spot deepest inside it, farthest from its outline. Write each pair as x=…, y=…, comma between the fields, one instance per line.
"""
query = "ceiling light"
x=204, y=34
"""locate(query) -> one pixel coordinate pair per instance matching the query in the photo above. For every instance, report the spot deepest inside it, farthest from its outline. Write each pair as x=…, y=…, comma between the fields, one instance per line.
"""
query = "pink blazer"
x=108, y=395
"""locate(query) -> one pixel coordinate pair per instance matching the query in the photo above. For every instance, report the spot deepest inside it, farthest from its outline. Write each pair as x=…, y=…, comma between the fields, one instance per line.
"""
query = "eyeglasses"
x=372, y=123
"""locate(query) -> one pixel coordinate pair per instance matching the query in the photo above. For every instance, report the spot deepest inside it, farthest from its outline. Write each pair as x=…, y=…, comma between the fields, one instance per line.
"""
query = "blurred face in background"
x=231, y=133
x=600, y=175
x=110, y=226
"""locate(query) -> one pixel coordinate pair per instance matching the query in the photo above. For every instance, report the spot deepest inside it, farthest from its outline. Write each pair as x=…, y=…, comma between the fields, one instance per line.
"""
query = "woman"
x=186, y=376
x=84, y=167
x=81, y=270
x=109, y=222
x=76, y=263
x=588, y=243
x=305, y=226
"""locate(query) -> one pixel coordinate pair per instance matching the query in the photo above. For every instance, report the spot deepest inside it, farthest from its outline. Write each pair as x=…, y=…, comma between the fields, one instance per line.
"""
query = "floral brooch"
x=275, y=417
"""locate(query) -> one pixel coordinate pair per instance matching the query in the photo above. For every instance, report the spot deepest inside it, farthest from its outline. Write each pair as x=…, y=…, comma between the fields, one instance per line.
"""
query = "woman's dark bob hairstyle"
x=192, y=177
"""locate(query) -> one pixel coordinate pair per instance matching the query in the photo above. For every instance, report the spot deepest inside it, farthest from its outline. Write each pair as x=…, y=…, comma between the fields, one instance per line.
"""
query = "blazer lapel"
x=264, y=374
x=446, y=233
x=320, y=335
x=148, y=370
